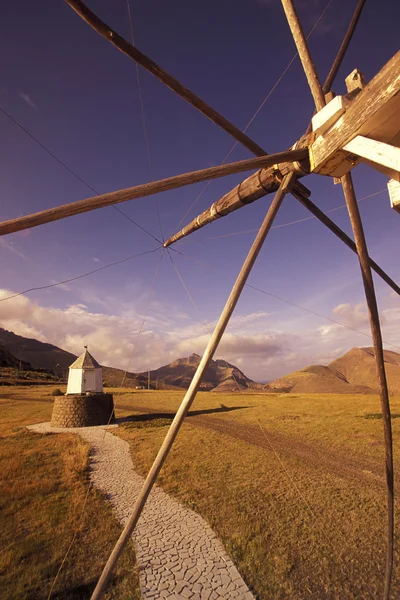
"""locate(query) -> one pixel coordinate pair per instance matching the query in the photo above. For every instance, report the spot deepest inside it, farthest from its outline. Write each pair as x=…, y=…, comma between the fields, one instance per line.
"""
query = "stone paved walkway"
x=178, y=555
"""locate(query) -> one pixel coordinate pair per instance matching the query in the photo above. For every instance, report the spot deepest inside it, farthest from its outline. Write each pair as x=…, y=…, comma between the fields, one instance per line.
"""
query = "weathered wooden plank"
x=380, y=156
x=144, y=61
x=394, y=194
x=325, y=118
x=147, y=189
x=373, y=113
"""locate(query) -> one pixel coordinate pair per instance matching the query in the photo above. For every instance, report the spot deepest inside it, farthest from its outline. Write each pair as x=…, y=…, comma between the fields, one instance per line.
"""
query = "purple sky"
x=79, y=97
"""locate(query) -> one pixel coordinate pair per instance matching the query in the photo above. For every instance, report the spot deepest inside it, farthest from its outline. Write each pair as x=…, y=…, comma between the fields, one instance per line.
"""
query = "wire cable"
x=245, y=231
x=285, y=468
x=51, y=285
x=67, y=168
x=316, y=314
x=144, y=124
x=145, y=315
x=257, y=111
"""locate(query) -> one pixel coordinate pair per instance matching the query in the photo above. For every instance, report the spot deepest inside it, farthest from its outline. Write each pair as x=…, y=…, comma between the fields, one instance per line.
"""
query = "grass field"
x=293, y=485
x=44, y=486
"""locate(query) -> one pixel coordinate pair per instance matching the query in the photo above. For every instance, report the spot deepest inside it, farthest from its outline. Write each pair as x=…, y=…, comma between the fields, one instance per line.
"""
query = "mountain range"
x=353, y=373
x=220, y=375
x=36, y=355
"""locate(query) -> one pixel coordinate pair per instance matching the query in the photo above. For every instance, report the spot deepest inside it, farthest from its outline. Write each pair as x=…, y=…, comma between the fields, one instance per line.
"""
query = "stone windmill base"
x=83, y=410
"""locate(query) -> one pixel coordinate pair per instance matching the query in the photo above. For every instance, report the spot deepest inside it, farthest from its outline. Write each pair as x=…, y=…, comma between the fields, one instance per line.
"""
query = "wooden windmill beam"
x=368, y=282
x=190, y=395
x=304, y=54
x=373, y=113
x=259, y=184
x=343, y=47
x=265, y=182
x=147, y=189
x=325, y=220
x=144, y=61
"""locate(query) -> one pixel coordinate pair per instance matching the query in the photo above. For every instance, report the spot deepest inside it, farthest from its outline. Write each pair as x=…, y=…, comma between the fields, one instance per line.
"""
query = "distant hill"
x=39, y=354
x=8, y=360
x=353, y=373
x=220, y=376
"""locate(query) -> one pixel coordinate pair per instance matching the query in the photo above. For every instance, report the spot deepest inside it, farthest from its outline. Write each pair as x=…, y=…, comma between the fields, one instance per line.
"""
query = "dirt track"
x=366, y=471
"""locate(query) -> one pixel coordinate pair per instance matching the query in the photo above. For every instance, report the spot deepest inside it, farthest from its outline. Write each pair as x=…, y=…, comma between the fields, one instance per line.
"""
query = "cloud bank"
x=261, y=351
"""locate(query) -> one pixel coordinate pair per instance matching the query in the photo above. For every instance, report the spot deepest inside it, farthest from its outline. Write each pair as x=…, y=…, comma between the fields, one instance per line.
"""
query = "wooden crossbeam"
x=259, y=184
x=394, y=194
x=144, y=61
x=373, y=113
x=148, y=189
x=380, y=156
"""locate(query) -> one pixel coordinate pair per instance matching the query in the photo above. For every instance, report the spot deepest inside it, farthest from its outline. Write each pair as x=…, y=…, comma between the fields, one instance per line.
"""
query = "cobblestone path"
x=178, y=554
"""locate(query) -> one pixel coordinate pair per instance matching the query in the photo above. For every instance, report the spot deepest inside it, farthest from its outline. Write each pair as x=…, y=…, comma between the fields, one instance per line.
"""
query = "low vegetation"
x=294, y=485
x=46, y=501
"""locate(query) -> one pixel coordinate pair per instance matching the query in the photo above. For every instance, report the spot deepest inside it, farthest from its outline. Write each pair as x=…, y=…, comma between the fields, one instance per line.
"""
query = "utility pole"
x=148, y=380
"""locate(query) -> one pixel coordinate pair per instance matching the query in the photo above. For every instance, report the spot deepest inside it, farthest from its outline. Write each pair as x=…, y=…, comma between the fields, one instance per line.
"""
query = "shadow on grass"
x=159, y=419
x=82, y=591
x=379, y=416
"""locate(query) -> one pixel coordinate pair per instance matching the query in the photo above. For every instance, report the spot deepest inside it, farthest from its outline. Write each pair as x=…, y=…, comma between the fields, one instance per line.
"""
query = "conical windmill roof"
x=85, y=361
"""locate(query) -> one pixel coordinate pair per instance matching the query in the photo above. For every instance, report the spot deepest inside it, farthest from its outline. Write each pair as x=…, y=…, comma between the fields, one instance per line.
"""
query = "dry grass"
x=44, y=485
x=296, y=527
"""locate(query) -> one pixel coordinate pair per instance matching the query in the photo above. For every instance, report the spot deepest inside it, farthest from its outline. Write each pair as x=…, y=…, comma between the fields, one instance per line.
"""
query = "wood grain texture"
x=394, y=194
x=144, y=61
x=382, y=157
x=373, y=113
x=304, y=53
x=147, y=189
x=258, y=185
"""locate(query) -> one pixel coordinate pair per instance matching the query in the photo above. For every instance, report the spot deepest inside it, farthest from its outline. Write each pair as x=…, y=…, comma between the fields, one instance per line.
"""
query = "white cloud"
x=28, y=100
x=262, y=354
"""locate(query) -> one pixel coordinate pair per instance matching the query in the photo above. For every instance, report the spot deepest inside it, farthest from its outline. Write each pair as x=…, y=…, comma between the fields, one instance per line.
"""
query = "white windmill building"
x=85, y=375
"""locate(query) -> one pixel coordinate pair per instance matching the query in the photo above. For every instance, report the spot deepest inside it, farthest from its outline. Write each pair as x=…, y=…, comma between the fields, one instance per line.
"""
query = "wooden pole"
x=343, y=47
x=304, y=53
x=195, y=384
x=259, y=184
x=341, y=52
x=147, y=189
x=368, y=282
x=321, y=216
x=144, y=61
